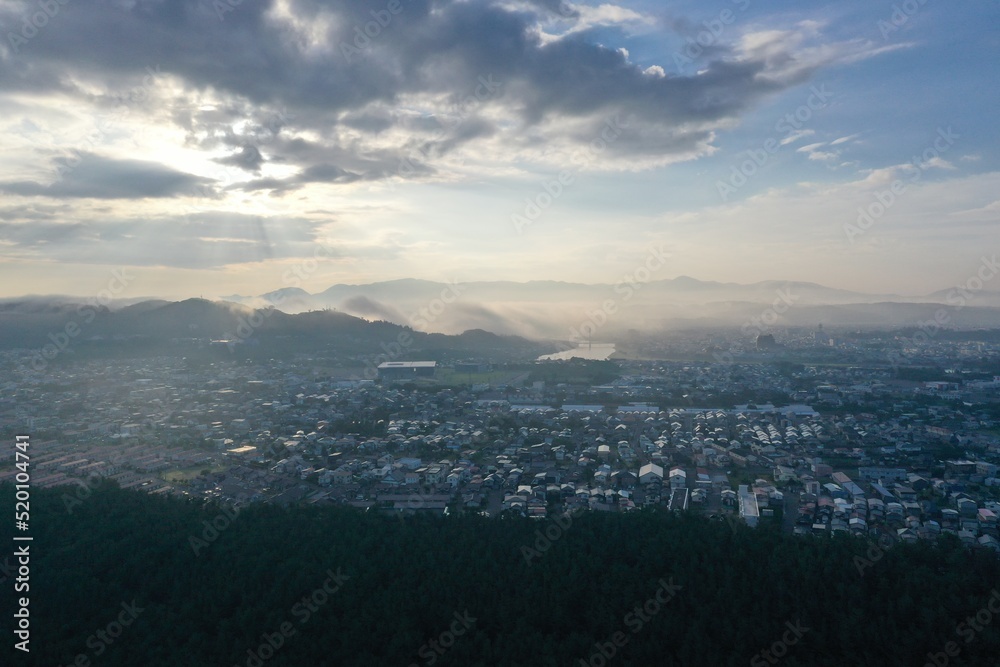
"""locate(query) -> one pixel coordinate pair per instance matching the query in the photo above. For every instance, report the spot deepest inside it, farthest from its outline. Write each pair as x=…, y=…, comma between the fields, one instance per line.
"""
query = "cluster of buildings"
x=907, y=505
x=822, y=449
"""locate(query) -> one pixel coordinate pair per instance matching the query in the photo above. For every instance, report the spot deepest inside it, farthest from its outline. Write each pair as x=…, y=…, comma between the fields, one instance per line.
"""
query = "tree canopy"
x=357, y=588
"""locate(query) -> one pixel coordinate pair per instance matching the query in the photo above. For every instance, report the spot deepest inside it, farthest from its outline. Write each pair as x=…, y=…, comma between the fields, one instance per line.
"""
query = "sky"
x=181, y=148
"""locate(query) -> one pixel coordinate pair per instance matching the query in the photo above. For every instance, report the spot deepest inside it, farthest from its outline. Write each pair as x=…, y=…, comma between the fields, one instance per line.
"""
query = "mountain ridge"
x=538, y=310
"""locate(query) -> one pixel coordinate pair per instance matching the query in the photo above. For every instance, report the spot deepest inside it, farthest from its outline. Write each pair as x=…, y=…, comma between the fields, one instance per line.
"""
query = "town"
x=740, y=435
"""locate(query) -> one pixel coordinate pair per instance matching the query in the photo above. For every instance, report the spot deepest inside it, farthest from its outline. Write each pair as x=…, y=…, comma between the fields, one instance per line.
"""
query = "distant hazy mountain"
x=553, y=309
x=953, y=296
x=539, y=310
x=677, y=290
x=164, y=327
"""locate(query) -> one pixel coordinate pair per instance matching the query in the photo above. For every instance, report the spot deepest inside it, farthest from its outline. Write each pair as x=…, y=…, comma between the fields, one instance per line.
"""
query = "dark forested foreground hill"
x=122, y=578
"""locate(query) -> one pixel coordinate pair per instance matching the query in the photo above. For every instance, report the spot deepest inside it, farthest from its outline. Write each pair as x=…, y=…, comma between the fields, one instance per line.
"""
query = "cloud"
x=320, y=173
x=363, y=306
x=88, y=175
x=795, y=136
x=813, y=153
x=929, y=225
x=938, y=163
x=842, y=140
x=441, y=82
x=210, y=239
x=991, y=210
x=607, y=14
x=248, y=159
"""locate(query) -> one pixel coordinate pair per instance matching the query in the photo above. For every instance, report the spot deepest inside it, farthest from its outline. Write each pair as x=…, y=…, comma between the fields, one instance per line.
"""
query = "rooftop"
x=407, y=364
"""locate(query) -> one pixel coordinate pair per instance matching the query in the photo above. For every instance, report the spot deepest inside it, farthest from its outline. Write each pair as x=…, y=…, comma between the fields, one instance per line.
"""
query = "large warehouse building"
x=406, y=370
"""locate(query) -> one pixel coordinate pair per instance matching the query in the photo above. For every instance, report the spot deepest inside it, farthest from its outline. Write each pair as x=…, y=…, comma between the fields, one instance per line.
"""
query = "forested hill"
x=123, y=578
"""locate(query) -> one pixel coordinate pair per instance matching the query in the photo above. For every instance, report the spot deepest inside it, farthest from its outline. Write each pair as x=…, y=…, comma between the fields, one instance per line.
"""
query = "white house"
x=650, y=474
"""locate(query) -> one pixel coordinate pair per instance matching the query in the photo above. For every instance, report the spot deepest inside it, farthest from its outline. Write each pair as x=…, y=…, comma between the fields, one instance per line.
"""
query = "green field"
x=187, y=474
x=448, y=376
